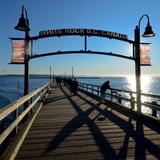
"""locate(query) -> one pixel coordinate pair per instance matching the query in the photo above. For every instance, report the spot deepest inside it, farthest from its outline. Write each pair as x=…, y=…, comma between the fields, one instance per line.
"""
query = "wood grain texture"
x=70, y=127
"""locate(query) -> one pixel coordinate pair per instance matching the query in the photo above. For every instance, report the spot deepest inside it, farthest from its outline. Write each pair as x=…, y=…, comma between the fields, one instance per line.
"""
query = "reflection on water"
x=145, y=83
x=149, y=84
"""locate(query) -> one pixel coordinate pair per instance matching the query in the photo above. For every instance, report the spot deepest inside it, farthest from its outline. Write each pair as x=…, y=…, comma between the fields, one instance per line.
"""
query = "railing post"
x=31, y=100
x=119, y=99
x=92, y=89
x=87, y=87
x=47, y=90
x=15, y=117
x=132, y=101
x=111, y=95
x=97, y=90
x=154, y=111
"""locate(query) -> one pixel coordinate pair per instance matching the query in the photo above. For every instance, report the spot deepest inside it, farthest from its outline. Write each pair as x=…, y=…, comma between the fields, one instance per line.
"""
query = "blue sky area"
x=112, y=15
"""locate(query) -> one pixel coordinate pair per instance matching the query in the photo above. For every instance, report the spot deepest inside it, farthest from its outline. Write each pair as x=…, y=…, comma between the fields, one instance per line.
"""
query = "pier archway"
x=84, y=33
x=23, y=25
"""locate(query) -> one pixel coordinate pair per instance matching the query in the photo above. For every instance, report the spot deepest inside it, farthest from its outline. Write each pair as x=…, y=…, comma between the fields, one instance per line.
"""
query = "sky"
x=112, y=15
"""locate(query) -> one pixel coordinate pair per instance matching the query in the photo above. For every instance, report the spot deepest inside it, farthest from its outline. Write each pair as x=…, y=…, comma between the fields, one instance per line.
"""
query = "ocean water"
x=11, y=87
x=149, y=84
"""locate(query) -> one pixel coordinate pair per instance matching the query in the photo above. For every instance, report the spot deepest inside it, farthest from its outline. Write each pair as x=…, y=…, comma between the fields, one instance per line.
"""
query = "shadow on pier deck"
x=80, y=127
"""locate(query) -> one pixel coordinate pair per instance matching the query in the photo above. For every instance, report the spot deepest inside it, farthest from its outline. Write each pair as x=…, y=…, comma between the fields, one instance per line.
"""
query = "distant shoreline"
x=47, y=76
x=79, y=77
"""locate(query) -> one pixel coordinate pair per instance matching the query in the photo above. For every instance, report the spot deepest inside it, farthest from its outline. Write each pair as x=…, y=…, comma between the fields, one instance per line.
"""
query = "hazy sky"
x=113, y=15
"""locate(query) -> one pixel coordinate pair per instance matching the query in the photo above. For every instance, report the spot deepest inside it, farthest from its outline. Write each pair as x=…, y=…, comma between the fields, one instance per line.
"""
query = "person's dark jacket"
x=105, y=86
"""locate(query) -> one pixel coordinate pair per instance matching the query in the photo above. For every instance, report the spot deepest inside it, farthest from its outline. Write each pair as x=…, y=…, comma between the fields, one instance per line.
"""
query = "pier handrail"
x=119, y=95
x=123, y=90
x=13, y=108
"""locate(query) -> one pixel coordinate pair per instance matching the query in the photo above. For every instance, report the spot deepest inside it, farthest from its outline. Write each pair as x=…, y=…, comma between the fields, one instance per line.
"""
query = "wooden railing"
x=150, y=103
x=17, y=112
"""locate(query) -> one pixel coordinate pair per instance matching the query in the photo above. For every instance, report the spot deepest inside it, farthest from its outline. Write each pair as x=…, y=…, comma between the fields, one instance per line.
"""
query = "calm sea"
x=11, y=87
x=148, y=84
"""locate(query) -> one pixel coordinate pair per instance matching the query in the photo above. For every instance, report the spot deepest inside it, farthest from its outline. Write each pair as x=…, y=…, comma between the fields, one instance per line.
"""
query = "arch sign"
x=82, y=32
x=66, y=32
x=16, y=59
x=18, y=49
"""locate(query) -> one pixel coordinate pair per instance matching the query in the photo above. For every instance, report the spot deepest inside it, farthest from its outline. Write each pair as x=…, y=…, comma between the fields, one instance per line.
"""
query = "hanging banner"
x=18, y=51
x=145, y=54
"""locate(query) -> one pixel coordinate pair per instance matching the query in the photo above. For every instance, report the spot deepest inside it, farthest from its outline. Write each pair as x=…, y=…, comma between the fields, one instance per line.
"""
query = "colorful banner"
x=145, y=54
x=18, y=51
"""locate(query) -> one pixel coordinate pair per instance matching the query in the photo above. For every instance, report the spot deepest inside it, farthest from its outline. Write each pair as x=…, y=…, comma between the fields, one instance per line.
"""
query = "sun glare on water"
x=145, y=83
x=145, y=88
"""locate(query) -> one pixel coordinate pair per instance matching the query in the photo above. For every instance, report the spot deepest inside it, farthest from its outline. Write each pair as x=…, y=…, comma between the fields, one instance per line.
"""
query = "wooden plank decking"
x=78, y=127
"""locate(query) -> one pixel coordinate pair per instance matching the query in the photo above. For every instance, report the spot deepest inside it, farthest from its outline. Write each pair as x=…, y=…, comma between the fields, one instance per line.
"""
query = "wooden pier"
x=70, y=127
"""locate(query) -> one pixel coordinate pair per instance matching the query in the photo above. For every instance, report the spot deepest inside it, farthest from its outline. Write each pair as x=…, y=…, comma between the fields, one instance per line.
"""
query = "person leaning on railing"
x=104, y=88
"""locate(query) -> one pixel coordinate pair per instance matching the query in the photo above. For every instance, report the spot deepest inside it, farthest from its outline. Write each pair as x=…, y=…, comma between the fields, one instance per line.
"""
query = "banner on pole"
x=145, y=54
x=18, y=51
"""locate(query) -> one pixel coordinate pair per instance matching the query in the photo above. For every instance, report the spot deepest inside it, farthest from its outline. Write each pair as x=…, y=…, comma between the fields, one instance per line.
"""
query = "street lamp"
x=50, y=72
x=23, y=25
x=148, y=33
x=72, y=72
x=53, y=73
